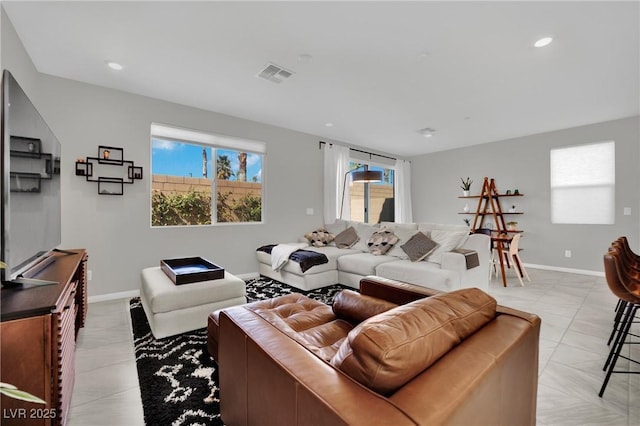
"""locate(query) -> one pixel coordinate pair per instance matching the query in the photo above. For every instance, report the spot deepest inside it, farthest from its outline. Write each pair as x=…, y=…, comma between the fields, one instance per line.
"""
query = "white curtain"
x=402, y=203
x=336, y=165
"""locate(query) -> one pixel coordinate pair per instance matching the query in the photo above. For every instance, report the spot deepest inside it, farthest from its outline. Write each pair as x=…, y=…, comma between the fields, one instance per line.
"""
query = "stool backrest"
x=617, y=280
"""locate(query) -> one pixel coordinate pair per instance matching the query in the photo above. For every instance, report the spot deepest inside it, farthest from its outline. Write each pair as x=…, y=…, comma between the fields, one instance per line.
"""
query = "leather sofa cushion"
x=293, y=312
x=388, y=350
x=355, y=307
x=324, y=340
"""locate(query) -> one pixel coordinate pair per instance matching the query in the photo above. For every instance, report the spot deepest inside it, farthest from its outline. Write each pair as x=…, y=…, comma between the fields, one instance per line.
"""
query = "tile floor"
x=576, y=310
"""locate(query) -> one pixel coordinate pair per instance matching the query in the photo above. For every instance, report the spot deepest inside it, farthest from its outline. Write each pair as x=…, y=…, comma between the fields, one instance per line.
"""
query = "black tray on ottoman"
x=191, y=269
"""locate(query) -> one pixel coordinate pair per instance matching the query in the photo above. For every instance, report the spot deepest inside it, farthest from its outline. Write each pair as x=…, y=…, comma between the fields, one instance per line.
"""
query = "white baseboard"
x=114, y=296
x=136, y=293
x=569, y=270
x=254, y=275
x=249, y=276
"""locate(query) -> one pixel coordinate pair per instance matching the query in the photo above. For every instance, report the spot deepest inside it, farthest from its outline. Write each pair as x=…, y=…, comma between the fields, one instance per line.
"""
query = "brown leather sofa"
x=393, y=354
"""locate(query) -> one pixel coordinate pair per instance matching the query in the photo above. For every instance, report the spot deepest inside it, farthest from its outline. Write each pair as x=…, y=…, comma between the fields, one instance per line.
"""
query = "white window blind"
x=186, y=135
x=583, y=184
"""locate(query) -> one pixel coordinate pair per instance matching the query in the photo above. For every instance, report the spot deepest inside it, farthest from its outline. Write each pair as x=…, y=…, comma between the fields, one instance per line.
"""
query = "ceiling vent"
x=274, y=73
x=427, y=132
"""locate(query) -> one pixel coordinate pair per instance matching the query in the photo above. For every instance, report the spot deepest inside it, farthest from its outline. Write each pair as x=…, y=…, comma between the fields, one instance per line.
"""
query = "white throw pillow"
x=364, y=231
x=336, y=227
x=447, y=241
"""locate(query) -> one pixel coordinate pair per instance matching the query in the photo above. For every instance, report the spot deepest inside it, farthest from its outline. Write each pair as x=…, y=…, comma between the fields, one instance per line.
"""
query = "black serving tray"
x=191, y=269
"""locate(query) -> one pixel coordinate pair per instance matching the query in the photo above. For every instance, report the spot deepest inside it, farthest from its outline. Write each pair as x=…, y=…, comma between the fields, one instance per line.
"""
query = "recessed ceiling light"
x=544, y=41
x=114, y=65
x=328, y=124
x=305, y=58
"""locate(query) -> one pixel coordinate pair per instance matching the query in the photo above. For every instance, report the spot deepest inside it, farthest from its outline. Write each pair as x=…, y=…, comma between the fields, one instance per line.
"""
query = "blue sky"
x=183, y=159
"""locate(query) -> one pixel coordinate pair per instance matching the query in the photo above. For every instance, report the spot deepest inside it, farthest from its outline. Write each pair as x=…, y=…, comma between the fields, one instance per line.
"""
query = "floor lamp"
x=360, y=176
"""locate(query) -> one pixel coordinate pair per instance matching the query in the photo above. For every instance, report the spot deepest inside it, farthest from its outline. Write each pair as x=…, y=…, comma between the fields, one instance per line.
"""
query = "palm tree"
x=242, y=169
x=223, y=168
x=204, y=162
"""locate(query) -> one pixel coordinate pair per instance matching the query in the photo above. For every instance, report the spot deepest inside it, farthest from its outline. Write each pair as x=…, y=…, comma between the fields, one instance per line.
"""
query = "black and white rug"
x=178, y=379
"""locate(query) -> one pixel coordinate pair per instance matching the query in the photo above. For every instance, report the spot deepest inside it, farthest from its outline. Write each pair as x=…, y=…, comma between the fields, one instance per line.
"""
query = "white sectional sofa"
x=442, y=269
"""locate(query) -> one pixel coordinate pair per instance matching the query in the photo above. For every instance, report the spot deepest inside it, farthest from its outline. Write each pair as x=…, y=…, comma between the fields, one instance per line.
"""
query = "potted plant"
x=466, y=186
x=511, y=226
x=13, y=392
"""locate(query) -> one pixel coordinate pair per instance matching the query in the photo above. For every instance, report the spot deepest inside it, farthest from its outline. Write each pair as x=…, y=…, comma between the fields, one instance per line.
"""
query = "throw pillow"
x=347, y=238
x=364, y=231
x=387, y=350
x=447, y=241
x=336, y=227
x=419, y=246
x=381, y=241
x=320, y=237
x=403, y=232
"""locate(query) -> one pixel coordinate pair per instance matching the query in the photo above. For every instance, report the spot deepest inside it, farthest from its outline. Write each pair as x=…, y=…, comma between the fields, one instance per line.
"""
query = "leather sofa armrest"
x=531, y=318
x=212, y=334
x=393, y=291
x=302, y=389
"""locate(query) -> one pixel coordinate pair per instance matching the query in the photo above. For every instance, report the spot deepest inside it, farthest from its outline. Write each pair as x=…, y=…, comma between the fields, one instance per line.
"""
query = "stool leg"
x=620, y=307
x=619, y=333
x=631, y=312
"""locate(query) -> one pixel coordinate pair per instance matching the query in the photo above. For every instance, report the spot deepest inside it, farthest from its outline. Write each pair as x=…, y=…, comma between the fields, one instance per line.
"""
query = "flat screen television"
x=30, y=174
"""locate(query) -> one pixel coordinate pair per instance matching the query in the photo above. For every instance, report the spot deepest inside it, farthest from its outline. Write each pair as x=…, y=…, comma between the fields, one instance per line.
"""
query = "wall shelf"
x=489, y=205
x=109, y=156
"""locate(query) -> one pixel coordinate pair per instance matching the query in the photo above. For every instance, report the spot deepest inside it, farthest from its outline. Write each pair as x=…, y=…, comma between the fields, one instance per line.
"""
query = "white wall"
x=116, y=229
x=523, y=163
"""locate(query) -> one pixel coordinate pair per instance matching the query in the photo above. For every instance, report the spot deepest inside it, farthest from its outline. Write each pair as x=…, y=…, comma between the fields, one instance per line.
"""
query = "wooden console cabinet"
x=38, y=330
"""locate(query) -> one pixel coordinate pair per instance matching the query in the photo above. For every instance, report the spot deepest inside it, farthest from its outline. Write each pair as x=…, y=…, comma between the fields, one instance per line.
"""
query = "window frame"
x=608, y=182
x=215, y=142
x=367, y=189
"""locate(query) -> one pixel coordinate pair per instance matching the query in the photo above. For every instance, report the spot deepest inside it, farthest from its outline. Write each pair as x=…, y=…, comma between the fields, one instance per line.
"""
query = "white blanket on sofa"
x=281, y=252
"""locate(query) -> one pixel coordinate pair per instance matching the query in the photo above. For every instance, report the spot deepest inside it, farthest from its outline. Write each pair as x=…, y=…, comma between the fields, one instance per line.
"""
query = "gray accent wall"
x=116, y=230
x=523, y=163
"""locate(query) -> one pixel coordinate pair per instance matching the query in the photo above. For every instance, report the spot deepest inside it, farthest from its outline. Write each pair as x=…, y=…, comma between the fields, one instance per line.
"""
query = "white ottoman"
x=173, y=309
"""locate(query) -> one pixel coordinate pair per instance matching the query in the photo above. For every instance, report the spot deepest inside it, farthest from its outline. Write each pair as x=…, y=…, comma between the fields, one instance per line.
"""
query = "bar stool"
x=632, y=265
x=628, y=290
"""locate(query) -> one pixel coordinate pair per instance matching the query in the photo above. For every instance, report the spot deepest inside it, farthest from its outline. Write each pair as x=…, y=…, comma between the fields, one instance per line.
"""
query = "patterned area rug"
x=178, y=379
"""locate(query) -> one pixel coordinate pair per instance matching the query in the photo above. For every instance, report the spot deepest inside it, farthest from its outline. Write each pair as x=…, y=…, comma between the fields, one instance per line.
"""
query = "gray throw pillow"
x=419, y=246
x=347, y=238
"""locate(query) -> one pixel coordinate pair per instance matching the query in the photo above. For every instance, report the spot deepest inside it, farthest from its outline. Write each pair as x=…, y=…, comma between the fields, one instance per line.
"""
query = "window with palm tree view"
x=198, y=184
x=372, y=202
